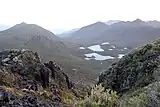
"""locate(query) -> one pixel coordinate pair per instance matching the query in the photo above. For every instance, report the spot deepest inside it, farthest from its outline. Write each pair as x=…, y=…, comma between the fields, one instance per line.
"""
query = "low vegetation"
x=99, y=98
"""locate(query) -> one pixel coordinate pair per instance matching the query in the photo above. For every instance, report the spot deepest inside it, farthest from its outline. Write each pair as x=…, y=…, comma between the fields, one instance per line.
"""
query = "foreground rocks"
x=27, y=82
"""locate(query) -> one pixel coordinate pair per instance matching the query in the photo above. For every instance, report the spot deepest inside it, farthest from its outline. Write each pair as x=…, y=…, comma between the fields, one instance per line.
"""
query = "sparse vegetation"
x=139, y=100
x=7, y=78
x=68, y=97
x=99, y=98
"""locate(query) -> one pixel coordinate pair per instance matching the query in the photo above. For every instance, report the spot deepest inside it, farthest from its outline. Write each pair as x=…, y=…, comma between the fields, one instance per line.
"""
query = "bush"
x=7, y=78
x=67, y=97
x=99, y=98
x=135, y=101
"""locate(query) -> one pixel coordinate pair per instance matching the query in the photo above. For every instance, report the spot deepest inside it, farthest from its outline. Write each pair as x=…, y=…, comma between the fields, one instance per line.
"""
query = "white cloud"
x=75, y=13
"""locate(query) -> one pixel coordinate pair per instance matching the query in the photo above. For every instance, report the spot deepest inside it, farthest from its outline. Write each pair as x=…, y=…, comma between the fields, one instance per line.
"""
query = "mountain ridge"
x=117, y=33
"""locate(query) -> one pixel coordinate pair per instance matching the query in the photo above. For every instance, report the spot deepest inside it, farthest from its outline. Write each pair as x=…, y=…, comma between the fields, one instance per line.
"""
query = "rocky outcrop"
x=36, y=84
x=58, y=75
x=137, y=69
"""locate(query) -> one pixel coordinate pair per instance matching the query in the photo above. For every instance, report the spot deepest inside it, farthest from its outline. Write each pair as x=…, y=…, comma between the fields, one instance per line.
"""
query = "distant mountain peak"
x=21, y=24
x=30, y=30
x=99, y=22
x=154, y=23
x=138, y=21
x=24, y=26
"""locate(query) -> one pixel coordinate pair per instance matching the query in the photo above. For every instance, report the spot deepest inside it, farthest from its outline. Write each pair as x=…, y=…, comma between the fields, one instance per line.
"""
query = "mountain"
x=131, y=33
x=16, y=36
x=88, y=33
x=33, y=37
x=26, y=31
x=69, y=33
x=123, y=33
x=50, y=47
x=154, y=23
x=133, y=23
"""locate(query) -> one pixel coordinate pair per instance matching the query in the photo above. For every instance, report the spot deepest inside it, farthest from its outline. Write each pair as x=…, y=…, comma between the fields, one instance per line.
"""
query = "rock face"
x=56, y=73
x=23, y=71
x=139, y=68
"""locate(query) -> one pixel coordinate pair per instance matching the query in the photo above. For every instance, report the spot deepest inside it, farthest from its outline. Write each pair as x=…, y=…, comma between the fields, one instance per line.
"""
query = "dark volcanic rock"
x=25, y=78
x=137, y=69
x=28, y=64
x=58, y=75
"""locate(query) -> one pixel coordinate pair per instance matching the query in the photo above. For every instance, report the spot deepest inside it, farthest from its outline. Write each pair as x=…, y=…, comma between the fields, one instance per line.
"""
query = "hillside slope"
x=136, y=77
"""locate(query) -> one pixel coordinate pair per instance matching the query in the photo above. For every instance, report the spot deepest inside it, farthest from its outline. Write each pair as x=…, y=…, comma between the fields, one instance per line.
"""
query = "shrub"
x=99, y=98
x=135, y=101
x=67, y=97
x=7, y=78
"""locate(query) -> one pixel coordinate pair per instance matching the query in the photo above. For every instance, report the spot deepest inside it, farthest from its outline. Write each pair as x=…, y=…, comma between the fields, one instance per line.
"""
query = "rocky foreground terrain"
x=133, y=81
x=26, y=82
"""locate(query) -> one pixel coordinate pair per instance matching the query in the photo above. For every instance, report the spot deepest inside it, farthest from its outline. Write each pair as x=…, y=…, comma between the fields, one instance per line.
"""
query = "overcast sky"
x=69, y=14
